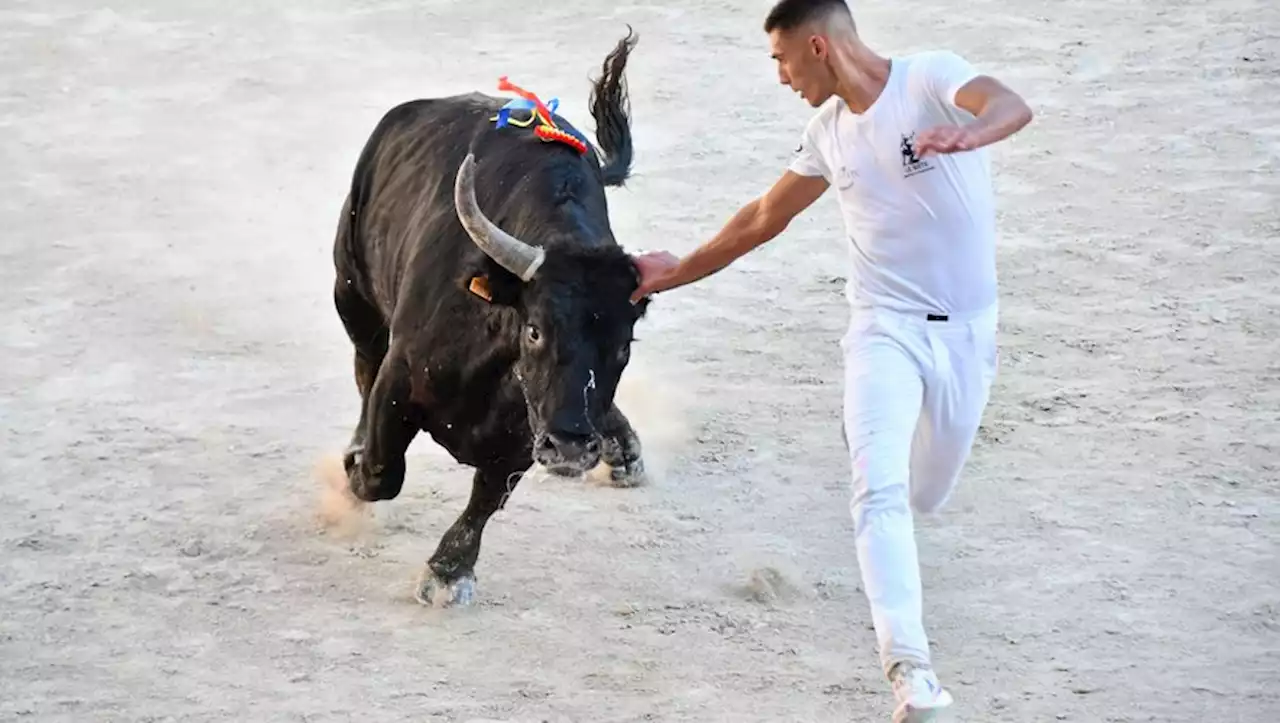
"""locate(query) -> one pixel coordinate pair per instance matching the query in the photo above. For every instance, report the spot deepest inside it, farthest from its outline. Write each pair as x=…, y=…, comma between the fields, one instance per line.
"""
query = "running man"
x=903, y=140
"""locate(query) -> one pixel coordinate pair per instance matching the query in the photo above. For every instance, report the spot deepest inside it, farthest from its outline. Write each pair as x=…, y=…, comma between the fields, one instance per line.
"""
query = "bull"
x=488, y=301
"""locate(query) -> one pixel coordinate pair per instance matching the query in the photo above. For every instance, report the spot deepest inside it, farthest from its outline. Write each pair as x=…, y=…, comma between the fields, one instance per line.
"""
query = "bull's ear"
x=640, y=308
x=492, y=284
x=479, y=285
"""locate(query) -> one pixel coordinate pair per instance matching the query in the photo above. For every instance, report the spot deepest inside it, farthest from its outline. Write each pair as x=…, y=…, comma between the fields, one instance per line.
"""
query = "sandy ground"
x=173, y=373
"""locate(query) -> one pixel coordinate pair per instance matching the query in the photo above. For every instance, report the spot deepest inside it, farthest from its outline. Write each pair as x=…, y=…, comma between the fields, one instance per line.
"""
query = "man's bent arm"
x=754, y=224
x=999, y=112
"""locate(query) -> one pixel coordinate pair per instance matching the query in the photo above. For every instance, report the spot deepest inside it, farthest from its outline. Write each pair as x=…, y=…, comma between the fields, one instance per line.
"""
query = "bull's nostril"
x=572, y=445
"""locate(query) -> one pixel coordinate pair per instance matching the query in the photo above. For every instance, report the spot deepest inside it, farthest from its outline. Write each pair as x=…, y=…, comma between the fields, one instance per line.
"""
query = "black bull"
x=489, y=304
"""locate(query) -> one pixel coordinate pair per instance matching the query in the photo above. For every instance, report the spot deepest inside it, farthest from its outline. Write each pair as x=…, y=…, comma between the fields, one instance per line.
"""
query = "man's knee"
x=875, y=503
x=881, y=472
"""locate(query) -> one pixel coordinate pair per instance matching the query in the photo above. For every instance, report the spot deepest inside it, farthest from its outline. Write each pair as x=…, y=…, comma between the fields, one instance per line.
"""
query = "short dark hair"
x=791, y=14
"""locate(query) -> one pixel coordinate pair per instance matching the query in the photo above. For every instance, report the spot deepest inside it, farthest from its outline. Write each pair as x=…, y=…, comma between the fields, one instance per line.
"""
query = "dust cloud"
x=339, y=512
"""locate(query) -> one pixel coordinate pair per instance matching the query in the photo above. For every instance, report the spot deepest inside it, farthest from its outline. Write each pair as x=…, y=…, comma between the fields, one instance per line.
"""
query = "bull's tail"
x=610, y=108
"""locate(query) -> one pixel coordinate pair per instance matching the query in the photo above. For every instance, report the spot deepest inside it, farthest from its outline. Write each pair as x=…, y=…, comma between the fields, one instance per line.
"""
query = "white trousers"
x=915, y=391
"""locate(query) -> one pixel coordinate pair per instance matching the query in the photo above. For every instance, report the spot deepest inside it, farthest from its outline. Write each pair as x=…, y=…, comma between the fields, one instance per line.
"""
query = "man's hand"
x=653, y=267
x=755, y=223
x=945, y=139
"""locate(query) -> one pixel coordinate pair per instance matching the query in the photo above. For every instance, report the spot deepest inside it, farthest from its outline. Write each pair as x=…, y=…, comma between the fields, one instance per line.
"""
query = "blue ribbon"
x=504, y=114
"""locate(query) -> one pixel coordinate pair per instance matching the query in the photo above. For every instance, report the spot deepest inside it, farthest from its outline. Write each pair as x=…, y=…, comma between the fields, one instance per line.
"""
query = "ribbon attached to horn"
x=546, y=129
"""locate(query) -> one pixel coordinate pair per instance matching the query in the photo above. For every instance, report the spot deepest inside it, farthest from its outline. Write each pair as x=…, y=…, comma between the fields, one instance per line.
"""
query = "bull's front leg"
x=621, y=450
x=449, y=577
x=375, y=462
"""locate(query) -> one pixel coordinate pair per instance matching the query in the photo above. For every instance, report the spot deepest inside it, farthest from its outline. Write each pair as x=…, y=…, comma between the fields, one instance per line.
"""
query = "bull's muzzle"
x=568, y=454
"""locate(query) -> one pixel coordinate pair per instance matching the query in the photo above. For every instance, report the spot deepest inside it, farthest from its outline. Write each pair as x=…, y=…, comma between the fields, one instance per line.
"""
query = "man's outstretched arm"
x=754, y=224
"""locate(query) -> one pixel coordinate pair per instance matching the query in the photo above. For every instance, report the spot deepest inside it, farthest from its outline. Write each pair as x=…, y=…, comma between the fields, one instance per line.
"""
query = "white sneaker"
x=921, y=698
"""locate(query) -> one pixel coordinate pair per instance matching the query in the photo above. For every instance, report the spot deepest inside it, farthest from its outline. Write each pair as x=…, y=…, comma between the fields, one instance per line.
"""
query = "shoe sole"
x=941, y=714
x=931, y=715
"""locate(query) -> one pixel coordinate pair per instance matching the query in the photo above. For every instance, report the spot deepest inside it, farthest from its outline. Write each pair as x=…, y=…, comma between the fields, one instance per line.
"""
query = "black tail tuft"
x=610, y=107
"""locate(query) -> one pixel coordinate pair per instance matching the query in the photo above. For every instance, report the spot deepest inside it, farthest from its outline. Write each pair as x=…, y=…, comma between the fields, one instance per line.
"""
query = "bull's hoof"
x=361, y=486
x=352, y=456
x=376, y=484
x=628, y=474
x=436, y=593
x=626, y=467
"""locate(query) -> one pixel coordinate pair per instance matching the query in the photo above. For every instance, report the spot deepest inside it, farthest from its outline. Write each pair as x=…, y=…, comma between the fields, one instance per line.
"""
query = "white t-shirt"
x=921, y=231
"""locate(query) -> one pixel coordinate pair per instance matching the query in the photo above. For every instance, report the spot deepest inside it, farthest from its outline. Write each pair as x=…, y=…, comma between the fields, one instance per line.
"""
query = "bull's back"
x=401, y=195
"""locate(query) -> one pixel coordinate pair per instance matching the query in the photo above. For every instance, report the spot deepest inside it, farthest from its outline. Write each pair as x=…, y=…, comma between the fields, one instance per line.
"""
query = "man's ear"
x=818, y=45
x=491, y=284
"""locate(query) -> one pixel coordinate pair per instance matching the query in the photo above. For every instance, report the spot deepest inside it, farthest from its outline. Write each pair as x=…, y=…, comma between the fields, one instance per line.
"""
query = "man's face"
x=802, y=58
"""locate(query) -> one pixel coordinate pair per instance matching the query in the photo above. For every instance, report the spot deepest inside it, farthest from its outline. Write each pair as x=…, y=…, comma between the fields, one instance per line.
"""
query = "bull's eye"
x=532, y=334
x=624, y=353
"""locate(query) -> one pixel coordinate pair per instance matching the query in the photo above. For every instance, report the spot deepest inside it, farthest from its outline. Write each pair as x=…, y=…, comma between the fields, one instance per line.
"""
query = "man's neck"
x=862, y=76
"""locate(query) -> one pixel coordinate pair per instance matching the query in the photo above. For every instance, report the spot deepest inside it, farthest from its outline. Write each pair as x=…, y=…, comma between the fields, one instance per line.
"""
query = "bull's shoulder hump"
x=460, y=103
x=438, y=111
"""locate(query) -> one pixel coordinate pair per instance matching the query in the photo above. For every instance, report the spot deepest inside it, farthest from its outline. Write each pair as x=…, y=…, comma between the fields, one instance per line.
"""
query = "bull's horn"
x=513, y=254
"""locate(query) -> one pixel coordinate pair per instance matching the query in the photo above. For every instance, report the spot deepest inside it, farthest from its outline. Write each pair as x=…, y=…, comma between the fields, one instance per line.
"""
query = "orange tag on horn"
x=480, y=287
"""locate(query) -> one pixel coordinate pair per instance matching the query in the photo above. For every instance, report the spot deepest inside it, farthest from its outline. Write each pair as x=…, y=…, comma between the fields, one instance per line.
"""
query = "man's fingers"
x=928, y=141
x=944, y=140
x=640, y=295
x=941, y=140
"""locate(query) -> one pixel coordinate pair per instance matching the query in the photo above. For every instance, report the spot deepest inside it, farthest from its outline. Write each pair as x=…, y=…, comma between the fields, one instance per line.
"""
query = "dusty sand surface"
x=173, y=374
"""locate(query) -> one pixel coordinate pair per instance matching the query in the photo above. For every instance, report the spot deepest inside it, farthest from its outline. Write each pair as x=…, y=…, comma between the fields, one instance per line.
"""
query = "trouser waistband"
x=927, y=317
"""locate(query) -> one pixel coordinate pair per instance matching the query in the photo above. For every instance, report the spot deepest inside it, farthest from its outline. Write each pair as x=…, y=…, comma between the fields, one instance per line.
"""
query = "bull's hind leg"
x=621, y=450
x=450, y=578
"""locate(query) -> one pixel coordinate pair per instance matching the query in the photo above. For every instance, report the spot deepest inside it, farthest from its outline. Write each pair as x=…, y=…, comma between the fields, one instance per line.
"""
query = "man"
x=903, y=139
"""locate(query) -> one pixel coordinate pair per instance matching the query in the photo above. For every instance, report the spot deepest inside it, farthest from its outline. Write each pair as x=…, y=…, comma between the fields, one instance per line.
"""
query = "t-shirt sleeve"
x=807, y=158
x=947, y=72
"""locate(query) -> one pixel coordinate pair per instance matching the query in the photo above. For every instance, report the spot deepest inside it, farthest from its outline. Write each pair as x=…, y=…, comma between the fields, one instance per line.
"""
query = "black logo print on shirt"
x=911, y=163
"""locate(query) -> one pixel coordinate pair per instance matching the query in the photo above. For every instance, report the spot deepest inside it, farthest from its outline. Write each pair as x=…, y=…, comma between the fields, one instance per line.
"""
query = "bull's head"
x=575, y=322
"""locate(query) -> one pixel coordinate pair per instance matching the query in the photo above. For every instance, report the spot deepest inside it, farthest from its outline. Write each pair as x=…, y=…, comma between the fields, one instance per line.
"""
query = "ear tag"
x=480, y=287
